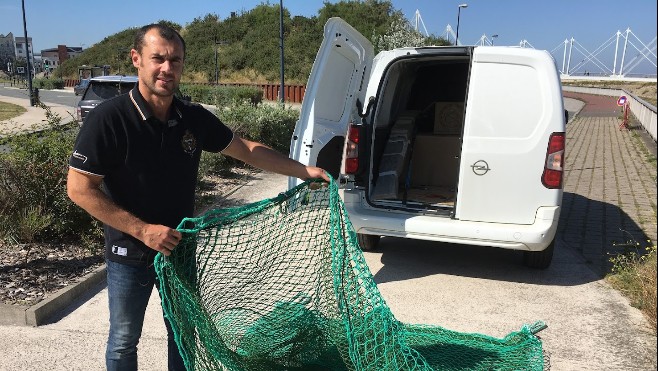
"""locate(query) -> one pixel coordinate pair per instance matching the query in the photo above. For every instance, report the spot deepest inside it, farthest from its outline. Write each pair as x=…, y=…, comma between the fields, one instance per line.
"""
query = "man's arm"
x=84, y=190
x=263, y=157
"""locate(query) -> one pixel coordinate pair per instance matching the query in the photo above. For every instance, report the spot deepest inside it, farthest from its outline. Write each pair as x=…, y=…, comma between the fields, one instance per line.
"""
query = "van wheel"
x=367, y=242
x=539, y=259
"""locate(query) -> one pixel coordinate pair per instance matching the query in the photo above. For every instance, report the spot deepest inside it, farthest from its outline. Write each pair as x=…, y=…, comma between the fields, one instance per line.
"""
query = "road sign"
x=621, y=101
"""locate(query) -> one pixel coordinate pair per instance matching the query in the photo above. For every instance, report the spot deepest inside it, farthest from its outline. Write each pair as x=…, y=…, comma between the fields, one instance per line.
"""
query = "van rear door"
x=338, y=78
x=514, y=103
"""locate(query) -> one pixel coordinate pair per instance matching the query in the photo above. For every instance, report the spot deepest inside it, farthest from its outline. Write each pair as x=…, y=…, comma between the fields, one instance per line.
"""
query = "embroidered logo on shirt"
x=118, y=250
x=189, y=142
x=79, y=156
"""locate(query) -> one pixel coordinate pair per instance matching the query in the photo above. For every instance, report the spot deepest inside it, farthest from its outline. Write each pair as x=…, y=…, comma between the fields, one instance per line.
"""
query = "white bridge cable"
x=559, y=46
x=589, y=57
x=525, y=43
x=651, y=48
x=644, y=51
x=449, y=32
x=640, y=41
x=419, y=18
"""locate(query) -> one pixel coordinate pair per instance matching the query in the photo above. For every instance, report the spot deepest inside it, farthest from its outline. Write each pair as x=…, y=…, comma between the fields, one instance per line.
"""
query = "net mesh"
x=281, y=284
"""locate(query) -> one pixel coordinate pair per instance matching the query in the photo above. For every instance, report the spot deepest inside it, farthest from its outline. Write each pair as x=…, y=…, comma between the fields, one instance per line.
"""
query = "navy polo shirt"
x=149, y=167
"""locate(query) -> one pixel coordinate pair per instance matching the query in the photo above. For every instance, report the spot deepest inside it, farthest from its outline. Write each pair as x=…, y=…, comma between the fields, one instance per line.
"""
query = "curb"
x=39, y=313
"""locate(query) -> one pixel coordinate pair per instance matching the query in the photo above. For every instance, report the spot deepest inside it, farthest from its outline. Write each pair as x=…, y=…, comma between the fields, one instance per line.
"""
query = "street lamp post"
x=492, y=39
x=459, y=9
x=33, y=101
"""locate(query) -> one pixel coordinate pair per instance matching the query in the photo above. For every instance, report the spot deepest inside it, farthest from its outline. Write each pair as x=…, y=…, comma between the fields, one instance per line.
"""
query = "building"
x=14, y=52
x=7, y=51
x=24, y=51
x=53, y=57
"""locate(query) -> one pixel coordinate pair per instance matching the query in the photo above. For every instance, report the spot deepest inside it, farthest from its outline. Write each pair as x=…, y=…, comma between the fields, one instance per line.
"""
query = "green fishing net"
x=281, y=284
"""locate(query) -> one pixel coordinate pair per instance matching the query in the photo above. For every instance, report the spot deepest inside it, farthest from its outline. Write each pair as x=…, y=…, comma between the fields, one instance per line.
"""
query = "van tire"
x=539, y=259
x=368, y=242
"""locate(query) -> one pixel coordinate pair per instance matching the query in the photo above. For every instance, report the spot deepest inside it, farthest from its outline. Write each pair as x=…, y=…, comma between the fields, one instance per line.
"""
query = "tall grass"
x=634, y=274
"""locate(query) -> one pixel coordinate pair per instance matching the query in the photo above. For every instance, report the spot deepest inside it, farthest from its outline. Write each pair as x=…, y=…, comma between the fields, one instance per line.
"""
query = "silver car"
x=102, y=88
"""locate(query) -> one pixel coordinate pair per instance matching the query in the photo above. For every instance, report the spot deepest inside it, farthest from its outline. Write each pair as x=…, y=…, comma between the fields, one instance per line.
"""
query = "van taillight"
x=554, y=165
x=352, y=150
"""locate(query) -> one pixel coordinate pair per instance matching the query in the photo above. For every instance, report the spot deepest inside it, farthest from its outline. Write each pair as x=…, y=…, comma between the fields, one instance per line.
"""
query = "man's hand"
x=160, y=238
x=317, y=173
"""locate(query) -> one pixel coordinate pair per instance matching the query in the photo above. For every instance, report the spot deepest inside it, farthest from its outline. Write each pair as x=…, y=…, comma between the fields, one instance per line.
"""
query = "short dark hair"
x=166, y=32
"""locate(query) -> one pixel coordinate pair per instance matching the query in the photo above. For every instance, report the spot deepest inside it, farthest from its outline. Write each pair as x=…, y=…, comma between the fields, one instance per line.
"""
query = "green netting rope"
x=281, y=284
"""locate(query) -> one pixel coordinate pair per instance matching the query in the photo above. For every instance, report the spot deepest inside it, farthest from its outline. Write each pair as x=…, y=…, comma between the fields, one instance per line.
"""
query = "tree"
x=401, y=34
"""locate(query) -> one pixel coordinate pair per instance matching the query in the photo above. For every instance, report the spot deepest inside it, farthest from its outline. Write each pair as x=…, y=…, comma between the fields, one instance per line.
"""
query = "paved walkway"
x=35, y=118
x=610, y=184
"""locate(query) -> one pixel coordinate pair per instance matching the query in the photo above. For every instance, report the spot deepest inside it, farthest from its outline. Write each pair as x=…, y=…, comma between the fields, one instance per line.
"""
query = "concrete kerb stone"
x=39, y=313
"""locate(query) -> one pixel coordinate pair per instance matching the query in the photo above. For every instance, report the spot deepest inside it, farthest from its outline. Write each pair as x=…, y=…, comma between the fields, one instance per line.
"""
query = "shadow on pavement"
x=598, y=230
x=588, y=235
x=405, y=259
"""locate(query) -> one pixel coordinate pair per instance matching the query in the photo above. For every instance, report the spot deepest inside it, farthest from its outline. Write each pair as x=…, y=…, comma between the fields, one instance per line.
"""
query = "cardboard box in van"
x=458, y=144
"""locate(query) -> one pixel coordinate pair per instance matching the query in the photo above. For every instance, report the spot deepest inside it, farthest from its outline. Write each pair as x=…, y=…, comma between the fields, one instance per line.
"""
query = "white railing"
x=643, y=111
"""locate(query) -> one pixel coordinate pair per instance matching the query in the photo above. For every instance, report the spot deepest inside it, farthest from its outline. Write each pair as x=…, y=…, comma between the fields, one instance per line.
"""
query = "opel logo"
x=480, y=167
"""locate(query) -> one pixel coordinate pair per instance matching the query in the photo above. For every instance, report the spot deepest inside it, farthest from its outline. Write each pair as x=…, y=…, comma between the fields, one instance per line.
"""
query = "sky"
x=544, y=24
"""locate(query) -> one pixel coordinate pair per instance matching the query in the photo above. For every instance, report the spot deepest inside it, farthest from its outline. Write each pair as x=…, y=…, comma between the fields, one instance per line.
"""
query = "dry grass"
x=644, y=90
x=635, y=276
x=8, y=111
x=236, y=77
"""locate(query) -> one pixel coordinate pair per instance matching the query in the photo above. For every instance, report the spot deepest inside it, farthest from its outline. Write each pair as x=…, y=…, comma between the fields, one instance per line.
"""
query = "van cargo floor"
x=433, y=195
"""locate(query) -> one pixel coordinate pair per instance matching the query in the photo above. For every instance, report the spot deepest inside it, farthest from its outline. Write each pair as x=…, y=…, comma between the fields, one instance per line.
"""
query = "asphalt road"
x=63, y=97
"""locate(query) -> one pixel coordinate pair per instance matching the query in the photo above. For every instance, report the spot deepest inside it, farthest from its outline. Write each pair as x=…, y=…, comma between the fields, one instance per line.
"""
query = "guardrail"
x=643, y=111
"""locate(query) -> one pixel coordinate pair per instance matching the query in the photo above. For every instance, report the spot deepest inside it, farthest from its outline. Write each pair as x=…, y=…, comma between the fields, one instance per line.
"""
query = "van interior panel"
x=417, y=141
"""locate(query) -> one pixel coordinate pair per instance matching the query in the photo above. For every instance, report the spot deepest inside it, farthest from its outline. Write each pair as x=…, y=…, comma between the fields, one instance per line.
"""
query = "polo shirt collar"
x=145, y=111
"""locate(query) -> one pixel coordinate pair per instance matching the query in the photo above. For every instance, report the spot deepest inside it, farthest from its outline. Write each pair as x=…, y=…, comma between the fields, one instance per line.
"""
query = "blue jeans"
x=129, y=289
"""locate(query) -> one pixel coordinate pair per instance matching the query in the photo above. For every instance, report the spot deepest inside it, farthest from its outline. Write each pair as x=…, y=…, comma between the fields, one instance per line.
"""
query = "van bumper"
x=532, y=237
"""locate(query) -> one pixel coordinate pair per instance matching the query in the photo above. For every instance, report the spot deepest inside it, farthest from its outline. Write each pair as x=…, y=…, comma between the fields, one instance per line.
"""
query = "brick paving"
x=610, y=184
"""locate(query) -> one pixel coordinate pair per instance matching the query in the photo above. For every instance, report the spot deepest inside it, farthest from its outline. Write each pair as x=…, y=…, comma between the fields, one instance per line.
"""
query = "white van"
x=456, y=144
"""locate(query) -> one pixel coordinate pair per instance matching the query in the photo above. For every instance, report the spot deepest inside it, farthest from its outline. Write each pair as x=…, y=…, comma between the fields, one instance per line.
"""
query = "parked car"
x=102, y=88
x=79, y=89
x=457, y=144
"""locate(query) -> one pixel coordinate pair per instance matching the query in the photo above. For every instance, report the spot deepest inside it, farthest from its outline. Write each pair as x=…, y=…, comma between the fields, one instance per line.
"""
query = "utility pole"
x=281, y=91
x=217, y=43
x=33, y=101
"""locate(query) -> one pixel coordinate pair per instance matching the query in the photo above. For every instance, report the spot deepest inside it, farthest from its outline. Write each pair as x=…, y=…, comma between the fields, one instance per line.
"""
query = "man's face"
x=160, y=64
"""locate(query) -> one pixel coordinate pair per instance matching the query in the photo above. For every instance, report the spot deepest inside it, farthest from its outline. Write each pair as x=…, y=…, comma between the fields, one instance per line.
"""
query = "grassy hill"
x=246, y=45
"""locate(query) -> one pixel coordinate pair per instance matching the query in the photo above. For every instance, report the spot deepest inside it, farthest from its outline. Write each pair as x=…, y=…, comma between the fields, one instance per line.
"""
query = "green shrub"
x=222, y=96
x=213, y=163
x=268, y=124
x=54, y=83
x=34, y=206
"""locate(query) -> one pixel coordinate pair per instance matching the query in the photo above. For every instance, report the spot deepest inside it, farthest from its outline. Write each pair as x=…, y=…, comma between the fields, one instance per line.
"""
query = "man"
x=143, y=148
